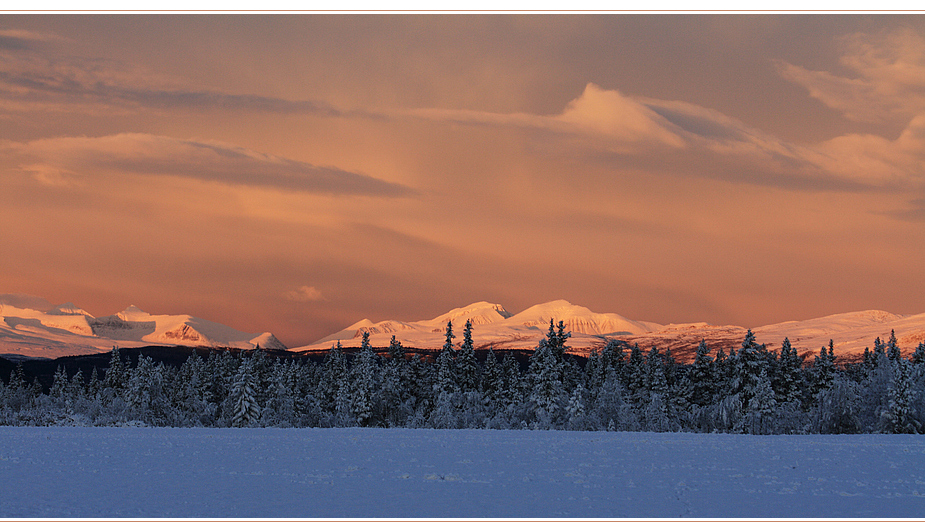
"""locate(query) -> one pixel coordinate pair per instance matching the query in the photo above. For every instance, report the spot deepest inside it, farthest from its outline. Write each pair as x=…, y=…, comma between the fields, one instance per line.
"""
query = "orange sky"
x=295, y=173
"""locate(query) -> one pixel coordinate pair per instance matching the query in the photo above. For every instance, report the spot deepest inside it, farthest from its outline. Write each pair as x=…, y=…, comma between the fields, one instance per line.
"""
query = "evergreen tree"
x=491, y=382
x=115, y=374
x=918, y=357
x=636, y=376
x=243, y=397
x=467, y=367
x=365, y=383
x=749, y=365
x=701, y=376
x=334, y=378
x=823, y=369
x=837, y=409
x=900, y=417
x=394, y=388
x=787, y=382
x=547, y=398
x=762, y=407
x=446, y=366
x=892, y=350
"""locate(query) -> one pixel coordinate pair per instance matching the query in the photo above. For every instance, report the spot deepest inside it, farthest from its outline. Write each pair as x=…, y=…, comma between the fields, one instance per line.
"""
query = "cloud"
x=889, y=82
x=614, y=121
x=18, y=40
x=45, y=80
x=305, y=294
x=877, y=160
x=74, y=160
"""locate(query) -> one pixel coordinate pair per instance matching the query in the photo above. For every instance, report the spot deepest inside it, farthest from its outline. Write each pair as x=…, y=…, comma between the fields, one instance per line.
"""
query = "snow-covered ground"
x=77, y=472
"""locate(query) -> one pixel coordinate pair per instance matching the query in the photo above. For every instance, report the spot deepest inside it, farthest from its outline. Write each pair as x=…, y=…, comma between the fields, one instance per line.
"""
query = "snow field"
x=124, y=473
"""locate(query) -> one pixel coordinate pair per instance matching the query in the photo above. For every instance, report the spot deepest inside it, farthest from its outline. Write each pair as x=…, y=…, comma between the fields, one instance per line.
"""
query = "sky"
x=297, y=173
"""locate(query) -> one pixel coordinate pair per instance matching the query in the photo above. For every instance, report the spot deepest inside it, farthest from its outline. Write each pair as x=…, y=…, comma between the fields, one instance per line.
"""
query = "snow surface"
x=82, y=472
x=69, y=330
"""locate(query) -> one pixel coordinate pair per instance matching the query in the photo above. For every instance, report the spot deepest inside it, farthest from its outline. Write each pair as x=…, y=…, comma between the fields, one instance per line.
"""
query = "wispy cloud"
x=889, y=76
x=72, y=160
x=304, y=294
x=18, y=40
x=616, y=122
x=41, y=79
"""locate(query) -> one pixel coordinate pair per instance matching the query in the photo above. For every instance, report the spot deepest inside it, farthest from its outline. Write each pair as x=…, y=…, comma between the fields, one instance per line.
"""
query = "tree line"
x=747, y=390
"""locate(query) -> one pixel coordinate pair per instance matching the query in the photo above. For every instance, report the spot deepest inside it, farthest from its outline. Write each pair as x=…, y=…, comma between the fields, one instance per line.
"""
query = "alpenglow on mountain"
x=30, y=328
x=495, y=327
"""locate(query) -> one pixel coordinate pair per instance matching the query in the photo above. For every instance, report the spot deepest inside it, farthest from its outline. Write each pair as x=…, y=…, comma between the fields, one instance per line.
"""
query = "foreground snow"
x=76, y=472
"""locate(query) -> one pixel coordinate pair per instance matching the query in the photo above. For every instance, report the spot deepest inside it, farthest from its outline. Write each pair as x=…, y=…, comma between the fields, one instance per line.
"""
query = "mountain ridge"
x=850, y=332
x=67, y=329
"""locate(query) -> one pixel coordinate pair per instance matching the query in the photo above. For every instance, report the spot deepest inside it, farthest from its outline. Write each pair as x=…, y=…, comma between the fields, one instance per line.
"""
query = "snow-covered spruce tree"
x=636, y=377
x=490, y=383
x=546, y=401
x=892, y=349
x=900, y=417
x=145, y=392
x=750, y=362
x=654, y=407
x=555, y=340
x=577, y=416
x=189, y=395
x=701, y=376
x=365, y=384
x=115, y=374
x=507, y=398
x=837, y=409
x=395, y=393
x=918, y=356
x=762, y=408
x=334, y=378
x=467, y=367
x=243, y=397
x=879, y=352
x=824, y=370
x=610, y=407
x=788, y=377
x=722, y=379
x=446, y=366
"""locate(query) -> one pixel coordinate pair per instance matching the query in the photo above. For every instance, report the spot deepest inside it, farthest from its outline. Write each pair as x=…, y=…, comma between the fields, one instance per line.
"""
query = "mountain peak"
x=133, y=313
x=68, y=309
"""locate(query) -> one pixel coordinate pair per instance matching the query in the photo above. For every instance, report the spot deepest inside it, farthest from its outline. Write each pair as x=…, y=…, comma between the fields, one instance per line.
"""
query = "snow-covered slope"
x=493, y=326
x=68, y=330
x=850, y=333
x=580, y=320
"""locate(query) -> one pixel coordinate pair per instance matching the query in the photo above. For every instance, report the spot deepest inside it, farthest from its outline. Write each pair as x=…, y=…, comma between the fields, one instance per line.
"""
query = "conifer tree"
x=892, y=349
x=900, y=417
x=467, y=367
x=547, y=397
x=918, y=356
x=761, y=407
x=788, y=377
x=491, y=382
x=365, y=384
x=243, y=397
x=701, y=376
x=823, y=369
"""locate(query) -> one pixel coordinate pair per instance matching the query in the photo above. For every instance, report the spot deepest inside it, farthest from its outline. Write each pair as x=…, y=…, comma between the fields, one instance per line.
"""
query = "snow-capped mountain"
x=493, y=326
x=69, y=330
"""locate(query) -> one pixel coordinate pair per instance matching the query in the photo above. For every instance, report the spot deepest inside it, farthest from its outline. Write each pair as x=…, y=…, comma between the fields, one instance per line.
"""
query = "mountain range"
x=495, y=327
x=31, y=326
